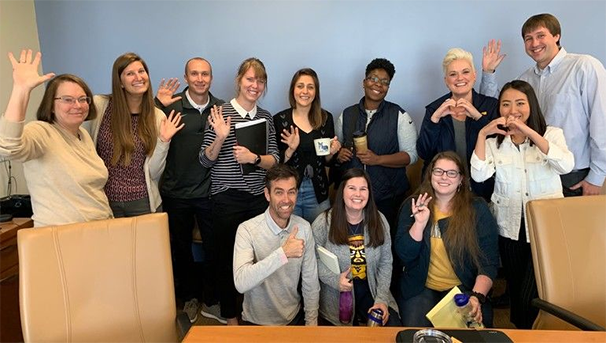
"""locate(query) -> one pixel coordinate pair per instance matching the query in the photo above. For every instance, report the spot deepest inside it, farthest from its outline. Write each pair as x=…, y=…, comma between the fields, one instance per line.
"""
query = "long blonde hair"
x=120, y=125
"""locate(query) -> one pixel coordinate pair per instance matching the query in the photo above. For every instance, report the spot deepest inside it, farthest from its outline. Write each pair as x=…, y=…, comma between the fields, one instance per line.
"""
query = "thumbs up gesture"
x=293, y=247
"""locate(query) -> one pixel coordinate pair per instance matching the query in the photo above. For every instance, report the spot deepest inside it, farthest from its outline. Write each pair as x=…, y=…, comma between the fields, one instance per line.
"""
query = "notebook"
x=329, y=259
x=253, y=135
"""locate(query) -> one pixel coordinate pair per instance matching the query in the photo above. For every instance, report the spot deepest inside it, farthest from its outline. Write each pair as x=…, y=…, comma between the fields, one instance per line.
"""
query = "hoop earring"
x=459, y=187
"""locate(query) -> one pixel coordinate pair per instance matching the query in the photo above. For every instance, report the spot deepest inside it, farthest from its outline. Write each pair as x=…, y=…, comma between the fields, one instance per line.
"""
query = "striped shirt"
x=226, y=172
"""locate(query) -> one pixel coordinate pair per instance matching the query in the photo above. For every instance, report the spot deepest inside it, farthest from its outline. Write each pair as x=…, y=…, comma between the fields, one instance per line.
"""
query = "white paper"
x=329, y=259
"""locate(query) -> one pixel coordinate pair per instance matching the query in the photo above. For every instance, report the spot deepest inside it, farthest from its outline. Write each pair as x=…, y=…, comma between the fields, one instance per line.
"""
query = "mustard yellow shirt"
x=441, y=276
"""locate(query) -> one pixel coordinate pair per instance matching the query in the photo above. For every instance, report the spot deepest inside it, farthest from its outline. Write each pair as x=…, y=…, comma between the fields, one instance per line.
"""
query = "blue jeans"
x=307, y=206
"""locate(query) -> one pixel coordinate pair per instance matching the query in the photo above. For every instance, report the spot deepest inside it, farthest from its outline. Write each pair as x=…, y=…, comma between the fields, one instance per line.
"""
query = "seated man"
x=272, y=252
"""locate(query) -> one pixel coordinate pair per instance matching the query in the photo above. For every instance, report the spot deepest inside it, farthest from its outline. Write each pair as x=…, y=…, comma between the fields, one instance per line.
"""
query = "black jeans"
x=230, y=209
x=571, y=179
x=190, y=280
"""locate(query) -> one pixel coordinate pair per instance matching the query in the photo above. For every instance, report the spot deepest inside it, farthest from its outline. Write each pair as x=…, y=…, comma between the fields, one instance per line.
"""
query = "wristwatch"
x=257, y=160
x=481, y=297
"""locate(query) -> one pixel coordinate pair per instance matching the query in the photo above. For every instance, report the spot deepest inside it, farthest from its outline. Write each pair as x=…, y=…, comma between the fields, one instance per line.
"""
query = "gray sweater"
x=378, y=269
x=268, y=279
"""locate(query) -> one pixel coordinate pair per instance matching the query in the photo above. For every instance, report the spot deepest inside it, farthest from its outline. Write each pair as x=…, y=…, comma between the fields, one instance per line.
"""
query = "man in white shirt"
x=571, y=89
x=272, y=253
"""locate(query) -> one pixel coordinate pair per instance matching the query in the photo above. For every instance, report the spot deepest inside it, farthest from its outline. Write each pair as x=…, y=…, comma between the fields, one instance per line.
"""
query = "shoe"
x=191, y=309
x=213, y=312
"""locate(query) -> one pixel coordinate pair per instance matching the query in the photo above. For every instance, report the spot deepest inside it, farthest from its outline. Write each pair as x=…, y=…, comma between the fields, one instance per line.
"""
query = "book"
x=329, y=259
x=445, y=314
x=252, y=135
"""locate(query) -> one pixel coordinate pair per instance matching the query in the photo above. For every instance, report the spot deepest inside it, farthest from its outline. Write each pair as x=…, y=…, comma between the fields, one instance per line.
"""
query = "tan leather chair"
x=104, y=281
x=568, y=243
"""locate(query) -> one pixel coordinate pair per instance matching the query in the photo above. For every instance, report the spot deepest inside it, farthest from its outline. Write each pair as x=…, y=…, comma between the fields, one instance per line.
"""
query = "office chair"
x=568, y=243
x=104, y=281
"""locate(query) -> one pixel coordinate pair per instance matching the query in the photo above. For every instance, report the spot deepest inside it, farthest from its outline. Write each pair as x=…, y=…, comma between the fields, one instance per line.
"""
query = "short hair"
x=258, y=67
x=536, y=120
x=546, y=20
x=457, y=54
x=280, y=171
x=46, y=109
x=381, y=63
x=317, y=117
x=198, y=59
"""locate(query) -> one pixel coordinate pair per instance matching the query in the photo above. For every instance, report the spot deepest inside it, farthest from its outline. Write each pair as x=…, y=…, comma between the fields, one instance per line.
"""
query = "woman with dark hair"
x=132, y=137
x=452, y=122
x=527, y=158
x=446, y=237
x=296, y=130
x=358, y=234
x=235, y=196
x=60, y=164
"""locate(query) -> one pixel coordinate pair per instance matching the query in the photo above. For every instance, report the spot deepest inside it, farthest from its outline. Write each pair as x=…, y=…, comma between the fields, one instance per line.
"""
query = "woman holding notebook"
x=446, y=237
x=358, y=234
x=236, y=195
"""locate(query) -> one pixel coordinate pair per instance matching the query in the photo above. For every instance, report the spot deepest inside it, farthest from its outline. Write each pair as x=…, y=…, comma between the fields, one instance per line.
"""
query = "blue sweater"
x=415, y=256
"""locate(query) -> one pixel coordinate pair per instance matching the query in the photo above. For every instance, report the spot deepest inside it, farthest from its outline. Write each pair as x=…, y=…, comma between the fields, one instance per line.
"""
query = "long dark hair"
x=461, y=237
x=317, y=116
x=339, y=228
x=535, y=121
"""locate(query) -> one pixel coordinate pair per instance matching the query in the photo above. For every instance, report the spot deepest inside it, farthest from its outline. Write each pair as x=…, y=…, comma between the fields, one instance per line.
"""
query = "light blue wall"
x=336, y=38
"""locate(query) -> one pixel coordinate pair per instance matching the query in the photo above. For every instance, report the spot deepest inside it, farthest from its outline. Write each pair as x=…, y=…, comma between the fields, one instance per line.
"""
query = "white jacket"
x=522, y=175
x=153, y=166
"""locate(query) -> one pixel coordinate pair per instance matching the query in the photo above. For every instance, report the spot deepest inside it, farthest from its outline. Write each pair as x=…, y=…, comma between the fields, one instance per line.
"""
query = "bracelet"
x=481, y=297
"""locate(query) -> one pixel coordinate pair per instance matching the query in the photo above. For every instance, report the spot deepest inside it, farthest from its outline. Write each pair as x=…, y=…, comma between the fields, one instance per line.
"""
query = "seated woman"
x=358, y=234
x=446, y=237
x=296, y=130
x=453, y=121
x=64, y=175
x=527, y=158
x=132, y=137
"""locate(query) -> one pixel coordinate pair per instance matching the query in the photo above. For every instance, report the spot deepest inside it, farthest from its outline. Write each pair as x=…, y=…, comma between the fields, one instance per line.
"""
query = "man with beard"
x=185, y=188
x=272, y=253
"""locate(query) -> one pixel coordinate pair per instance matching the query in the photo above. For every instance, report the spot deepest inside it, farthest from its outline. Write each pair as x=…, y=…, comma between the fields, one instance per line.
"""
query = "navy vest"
x=382, y=139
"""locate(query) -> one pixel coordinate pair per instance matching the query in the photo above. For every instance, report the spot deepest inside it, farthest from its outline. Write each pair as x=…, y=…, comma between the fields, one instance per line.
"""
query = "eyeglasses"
x=374, y=79
x=450, y=173
x=70, y=100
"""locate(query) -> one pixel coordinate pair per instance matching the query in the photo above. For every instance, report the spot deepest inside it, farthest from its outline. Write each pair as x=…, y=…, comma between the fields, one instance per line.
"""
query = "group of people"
x=129, y=153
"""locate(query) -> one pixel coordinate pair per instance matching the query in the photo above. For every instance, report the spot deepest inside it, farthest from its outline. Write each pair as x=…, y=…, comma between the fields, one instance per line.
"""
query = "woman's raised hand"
x=25, y=70
x=291, y=137
x=420, y=208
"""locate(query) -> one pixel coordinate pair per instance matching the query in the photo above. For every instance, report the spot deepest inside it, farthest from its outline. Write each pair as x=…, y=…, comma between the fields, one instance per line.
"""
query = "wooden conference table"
x=330, y=334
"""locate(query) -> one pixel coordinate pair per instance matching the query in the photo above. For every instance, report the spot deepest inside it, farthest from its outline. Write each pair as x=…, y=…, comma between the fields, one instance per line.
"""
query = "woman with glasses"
x=446, y=237
x=358, y=234
x=236, y=196
x=527, y=158
x=390, y=139
x=64, y=175
x=132, y=137
x=296, y=130
x=452, y=122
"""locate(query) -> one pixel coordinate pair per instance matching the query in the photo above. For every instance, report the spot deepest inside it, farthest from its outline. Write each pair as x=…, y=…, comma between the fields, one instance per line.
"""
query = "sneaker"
x=213, y=312
x=191, y=309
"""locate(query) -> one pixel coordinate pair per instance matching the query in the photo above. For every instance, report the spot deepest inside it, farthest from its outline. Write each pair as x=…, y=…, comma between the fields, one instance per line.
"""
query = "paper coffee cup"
x=361, y=143
x=322, y=146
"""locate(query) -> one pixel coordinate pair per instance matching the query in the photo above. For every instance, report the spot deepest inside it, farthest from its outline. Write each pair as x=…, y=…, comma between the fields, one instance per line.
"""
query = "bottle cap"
x=461, y=299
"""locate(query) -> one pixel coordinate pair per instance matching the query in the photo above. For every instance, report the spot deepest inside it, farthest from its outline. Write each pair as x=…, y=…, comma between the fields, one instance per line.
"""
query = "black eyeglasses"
x=450, y=173
x=70, y=100
x=374, y=79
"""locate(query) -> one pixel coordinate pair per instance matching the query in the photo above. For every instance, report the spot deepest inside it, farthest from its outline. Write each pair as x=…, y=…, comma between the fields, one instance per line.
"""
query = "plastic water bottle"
x=462, y=301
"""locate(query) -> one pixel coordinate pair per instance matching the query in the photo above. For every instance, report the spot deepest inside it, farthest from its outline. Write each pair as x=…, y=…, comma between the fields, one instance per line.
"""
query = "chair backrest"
x=104, y=281
x=568, y=243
